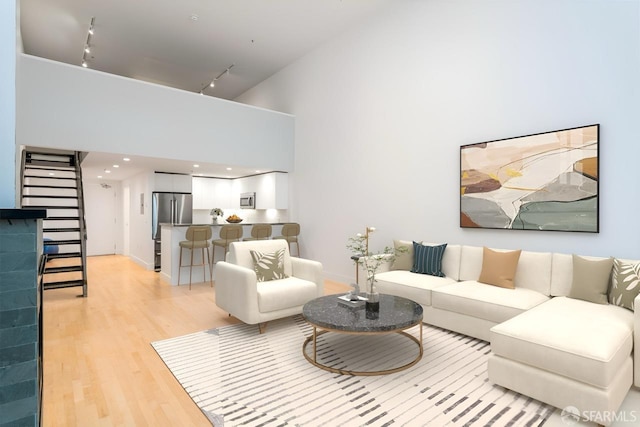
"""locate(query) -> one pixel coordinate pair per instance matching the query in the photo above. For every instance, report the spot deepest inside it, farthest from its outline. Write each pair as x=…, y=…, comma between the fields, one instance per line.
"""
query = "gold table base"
x=314, y=360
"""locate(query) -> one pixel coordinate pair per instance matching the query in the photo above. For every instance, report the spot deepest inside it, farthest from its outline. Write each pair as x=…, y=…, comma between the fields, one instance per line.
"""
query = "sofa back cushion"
x=533, y=271
x=561, y=275
x=240, y=252
x=470, y=262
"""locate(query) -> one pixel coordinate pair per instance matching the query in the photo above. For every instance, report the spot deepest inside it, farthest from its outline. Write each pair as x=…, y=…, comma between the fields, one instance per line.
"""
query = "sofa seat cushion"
x=285, y=293
x=485, y=301
x=417, y=287
x=578, y=339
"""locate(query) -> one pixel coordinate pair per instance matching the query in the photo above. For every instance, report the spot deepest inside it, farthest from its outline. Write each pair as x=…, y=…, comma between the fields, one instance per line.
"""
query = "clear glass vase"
x=372, y=305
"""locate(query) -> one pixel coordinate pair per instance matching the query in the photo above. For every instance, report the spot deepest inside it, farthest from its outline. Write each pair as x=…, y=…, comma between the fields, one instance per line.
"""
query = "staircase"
x=53, y=181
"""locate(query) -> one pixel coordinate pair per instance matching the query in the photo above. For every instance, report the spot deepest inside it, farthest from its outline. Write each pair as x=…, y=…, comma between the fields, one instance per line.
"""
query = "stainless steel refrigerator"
x=173, y=208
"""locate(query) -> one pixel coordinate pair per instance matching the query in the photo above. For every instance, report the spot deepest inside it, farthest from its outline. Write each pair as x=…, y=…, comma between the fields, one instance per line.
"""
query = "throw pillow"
x=625, y=284
x=590, y=279
x=428, y=259
x=499, y=268
x=404, y=260
x=268, y=266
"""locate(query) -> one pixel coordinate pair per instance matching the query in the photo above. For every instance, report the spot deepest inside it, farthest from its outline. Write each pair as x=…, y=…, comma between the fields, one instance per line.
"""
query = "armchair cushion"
x=285, y=293
x=268, y=266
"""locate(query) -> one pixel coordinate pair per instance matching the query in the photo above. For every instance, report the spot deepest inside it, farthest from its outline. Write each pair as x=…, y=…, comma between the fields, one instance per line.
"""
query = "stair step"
x=63, y=284
x=50, y=165
x=50, y=207
x=61, y=242
x=62, y=218
x=49, y=159
x=64, y=269
x=50, y=177
x=64, y=255
x=61, y=230
x=48, y=186
x=43, y=196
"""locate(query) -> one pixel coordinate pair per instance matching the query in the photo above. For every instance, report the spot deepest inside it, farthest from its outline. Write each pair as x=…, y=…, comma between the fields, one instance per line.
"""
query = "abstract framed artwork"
x=545, y=181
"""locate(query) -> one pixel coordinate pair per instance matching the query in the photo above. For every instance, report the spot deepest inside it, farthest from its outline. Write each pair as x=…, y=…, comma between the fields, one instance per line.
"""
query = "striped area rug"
x=241, y=378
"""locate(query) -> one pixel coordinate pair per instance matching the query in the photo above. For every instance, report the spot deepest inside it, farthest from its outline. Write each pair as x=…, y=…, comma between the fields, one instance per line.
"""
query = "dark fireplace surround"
x=20, y=317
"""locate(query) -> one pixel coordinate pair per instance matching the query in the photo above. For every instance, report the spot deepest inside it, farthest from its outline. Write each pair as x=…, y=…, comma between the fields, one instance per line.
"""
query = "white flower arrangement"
x=216, y=212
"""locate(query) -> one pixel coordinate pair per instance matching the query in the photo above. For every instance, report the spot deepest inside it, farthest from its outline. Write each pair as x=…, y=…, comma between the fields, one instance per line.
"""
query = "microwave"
x=248, y=200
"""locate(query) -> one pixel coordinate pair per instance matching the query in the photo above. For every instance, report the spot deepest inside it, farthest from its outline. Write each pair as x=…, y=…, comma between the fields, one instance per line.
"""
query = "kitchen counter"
x=216, y=224
x=173, y=234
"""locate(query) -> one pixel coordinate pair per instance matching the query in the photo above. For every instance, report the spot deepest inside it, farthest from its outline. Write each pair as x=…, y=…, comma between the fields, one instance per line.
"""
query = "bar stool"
x=228, y=233
x=197, y=238
x=290, y=233
x=260, y=232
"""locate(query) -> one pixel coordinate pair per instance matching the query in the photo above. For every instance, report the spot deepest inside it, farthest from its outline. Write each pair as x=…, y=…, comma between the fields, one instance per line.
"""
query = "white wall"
x=65, y=106
x=8, y=46
x=381, y=113
x=139, y=225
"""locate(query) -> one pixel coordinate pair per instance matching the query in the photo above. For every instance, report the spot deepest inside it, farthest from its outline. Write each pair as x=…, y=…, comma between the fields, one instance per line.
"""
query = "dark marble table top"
x=395, y=313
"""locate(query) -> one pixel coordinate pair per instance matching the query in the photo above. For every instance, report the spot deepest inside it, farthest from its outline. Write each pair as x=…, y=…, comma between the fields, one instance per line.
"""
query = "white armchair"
x=239, y=293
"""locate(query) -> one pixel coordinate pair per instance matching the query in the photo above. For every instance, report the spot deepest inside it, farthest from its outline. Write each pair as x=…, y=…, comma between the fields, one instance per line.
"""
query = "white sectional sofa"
x=562, y=351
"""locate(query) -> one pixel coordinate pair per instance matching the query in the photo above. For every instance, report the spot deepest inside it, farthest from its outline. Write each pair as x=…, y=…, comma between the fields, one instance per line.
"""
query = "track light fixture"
x=213, y=82
x=87, y=43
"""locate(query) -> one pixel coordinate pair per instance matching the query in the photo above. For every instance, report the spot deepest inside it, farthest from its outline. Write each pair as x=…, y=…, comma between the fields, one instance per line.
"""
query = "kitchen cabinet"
x=272, y=190
x=209, y=193
x=172, y=182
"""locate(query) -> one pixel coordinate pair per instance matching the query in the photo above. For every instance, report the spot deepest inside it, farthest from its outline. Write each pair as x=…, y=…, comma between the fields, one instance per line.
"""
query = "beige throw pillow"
x=499, y=268
x=404, y=260
x=591, y=279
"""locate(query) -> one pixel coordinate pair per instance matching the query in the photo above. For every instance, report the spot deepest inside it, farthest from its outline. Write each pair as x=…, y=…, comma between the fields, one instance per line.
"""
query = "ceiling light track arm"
x=215, y=79
x=87, y=43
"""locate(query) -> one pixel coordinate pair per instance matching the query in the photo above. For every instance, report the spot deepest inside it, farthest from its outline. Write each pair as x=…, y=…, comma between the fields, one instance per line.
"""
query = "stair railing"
x=82, y=220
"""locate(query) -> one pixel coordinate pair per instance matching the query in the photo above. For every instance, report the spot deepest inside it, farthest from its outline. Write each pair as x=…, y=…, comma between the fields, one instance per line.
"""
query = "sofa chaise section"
x=566, y=352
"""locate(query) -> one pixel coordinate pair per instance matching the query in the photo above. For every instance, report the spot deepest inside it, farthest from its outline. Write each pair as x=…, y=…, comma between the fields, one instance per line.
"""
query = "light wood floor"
x=99, y=366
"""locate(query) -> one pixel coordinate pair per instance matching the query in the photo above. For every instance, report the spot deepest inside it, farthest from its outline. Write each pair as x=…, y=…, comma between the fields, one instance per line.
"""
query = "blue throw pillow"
x=428, y=259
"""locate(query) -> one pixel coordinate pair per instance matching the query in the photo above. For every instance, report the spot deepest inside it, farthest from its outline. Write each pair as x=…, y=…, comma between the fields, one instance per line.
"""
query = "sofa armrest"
x=236, y=291
x=636, y=341
x=308, y=270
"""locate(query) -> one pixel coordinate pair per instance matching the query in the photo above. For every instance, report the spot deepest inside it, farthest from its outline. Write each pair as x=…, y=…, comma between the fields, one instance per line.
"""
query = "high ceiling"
x=185, y=44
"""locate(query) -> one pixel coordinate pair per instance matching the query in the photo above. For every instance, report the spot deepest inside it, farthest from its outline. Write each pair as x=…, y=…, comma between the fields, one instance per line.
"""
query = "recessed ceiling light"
x=126, y=159
x=51, y=173
x=228, y=169
x=116, y=166
x=257, y=171
x=196, y=166
x=99, y=176
x=107, y=171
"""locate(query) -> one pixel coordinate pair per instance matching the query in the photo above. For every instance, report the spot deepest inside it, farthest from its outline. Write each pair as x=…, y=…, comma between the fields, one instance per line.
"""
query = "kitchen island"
x=173, y=234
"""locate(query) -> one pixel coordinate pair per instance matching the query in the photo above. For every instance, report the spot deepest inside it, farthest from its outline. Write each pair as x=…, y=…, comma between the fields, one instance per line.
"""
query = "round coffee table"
x=396, y=314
